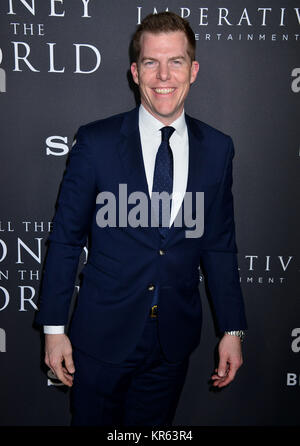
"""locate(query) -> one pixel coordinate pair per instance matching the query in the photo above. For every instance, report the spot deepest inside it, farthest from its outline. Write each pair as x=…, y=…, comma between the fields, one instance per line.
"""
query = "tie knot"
x=166, y=133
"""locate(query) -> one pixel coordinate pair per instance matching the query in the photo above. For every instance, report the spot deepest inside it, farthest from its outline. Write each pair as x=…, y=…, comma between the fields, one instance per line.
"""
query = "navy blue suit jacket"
x=114, y=298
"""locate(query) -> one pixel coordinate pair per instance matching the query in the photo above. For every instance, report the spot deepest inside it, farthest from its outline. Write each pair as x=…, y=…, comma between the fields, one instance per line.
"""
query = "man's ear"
x=194, y=71
x=134, y=72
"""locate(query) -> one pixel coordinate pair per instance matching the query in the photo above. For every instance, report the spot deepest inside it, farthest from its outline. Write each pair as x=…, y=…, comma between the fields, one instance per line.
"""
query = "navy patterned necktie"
x=163, y=172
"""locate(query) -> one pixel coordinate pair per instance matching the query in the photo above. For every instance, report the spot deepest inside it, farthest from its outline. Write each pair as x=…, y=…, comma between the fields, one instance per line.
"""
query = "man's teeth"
x=164, y=90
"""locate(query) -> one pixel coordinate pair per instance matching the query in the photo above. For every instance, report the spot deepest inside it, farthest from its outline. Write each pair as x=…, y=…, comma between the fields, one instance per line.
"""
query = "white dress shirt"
x=150, y=135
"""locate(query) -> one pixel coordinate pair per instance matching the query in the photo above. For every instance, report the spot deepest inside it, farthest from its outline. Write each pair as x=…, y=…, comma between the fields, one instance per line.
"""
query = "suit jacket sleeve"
x=73, y=217
x=219, y=259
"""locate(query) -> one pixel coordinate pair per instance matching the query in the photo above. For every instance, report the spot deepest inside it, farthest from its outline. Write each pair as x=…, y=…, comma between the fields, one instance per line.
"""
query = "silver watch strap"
x=239, y=333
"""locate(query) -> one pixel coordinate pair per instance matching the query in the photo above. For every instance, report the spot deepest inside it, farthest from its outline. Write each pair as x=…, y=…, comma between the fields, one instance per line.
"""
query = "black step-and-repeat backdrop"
x=64, y=63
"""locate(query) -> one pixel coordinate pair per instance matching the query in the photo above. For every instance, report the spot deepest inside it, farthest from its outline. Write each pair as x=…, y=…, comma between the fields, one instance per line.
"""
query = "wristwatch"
x=239, y=333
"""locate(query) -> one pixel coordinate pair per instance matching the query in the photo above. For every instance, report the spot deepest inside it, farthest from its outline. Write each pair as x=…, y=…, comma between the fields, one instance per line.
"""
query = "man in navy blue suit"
x=138, y=314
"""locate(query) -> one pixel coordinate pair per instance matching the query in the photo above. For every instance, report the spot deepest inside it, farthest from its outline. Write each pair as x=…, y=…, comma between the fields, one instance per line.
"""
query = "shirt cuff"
x=54, y=329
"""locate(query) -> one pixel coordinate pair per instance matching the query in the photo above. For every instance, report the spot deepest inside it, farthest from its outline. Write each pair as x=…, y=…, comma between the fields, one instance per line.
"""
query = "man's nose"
x=163, y=72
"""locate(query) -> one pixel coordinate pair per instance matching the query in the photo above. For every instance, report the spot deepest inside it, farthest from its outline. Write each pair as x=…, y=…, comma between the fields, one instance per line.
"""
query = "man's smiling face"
x=164, y=73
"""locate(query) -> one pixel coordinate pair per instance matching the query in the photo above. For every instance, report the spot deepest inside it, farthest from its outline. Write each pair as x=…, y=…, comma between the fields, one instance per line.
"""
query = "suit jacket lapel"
x=195, y=155
x=130, y=151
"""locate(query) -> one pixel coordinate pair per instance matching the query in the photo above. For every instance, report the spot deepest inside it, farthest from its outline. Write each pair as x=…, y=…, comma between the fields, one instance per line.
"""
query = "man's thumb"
x=69, y=364
x=222, y=369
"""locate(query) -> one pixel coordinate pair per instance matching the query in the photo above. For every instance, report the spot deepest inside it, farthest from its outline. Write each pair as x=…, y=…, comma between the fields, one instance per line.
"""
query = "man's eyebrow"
x=177, y=57
x=147, y=58
x=171, y=58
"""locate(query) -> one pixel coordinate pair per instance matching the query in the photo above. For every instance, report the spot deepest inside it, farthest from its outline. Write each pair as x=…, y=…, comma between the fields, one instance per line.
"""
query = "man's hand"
x=230, y=360
x=58, y=356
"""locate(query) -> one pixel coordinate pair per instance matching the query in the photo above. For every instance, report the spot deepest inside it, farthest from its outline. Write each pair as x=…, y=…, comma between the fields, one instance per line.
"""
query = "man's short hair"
x=163, y=22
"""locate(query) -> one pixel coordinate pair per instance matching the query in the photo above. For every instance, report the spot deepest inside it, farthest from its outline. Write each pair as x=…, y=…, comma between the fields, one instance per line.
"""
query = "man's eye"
x=149, y=63
x=177, y=62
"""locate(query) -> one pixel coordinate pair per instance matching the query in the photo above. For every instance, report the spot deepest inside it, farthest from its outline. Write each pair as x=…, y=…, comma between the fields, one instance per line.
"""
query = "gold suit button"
x=161, y=252
x=151, y=287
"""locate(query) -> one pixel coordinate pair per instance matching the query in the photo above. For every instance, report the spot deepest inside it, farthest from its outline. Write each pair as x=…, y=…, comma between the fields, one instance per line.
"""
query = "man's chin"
x=166, y=114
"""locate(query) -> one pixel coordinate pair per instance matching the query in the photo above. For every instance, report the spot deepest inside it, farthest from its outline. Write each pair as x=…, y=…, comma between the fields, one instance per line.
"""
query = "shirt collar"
x=152, y=125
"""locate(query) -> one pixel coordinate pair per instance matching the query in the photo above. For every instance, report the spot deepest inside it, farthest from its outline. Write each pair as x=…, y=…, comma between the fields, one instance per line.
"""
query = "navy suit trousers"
x=143, y=390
